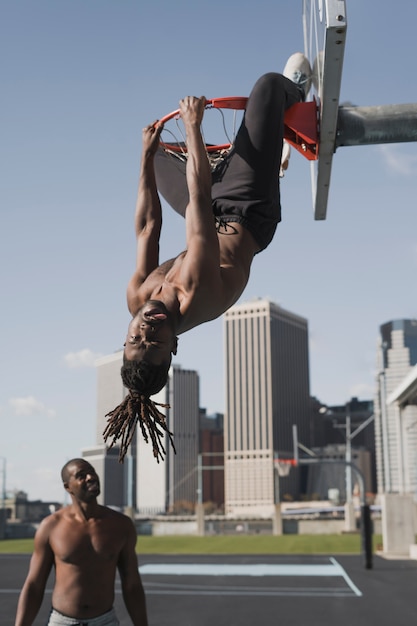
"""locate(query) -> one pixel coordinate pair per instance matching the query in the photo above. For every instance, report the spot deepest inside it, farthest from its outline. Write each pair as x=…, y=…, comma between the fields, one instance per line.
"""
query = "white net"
x=219, y=127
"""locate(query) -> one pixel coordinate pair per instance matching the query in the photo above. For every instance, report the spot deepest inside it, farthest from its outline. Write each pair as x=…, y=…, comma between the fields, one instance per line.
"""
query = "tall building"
x=112, y=475
x=172, y=485
x=212, y=459
x=395, y=438
x=267, y=391
x=118, y=481
x=147, y=486
x=110, y=389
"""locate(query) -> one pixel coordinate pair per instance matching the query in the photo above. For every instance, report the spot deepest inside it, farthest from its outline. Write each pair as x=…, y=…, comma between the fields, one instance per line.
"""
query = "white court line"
x=205, y=590
x=228, y=569
x=349, y=582
x=259, y=569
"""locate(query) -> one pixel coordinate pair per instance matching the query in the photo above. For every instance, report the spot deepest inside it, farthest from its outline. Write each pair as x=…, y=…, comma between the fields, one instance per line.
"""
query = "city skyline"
x=397, y=361
x=72, y=120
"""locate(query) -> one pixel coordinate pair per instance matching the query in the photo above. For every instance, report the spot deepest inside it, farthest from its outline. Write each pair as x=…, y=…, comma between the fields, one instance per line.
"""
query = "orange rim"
x=236, y=103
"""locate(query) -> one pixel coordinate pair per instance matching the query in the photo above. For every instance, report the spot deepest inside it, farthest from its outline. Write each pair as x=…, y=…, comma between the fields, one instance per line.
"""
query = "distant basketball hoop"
x=284, y=466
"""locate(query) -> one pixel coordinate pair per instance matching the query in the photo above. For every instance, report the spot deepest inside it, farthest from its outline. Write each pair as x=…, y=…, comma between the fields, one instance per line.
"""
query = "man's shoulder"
x=49, y=523
x=55, y=517
x=115, y=515
x=118, y=524
x=140, y=289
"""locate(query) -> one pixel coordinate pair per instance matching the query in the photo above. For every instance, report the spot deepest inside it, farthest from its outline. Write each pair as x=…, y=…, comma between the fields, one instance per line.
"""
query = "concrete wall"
x=174, y=528
x=240, y=526
x=398, y=523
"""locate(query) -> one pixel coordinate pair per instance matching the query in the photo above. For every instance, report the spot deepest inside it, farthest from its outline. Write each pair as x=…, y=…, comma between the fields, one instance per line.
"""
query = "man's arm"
x=33, y=590
x=202, y=262
x=148, y=216
x=132, y=588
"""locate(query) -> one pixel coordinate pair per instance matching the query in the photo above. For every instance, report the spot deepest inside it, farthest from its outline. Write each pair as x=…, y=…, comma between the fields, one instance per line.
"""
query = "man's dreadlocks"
x=143, y=380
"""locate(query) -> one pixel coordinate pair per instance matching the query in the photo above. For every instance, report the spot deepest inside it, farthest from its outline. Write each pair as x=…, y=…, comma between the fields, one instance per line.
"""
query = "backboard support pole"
x=359, y=126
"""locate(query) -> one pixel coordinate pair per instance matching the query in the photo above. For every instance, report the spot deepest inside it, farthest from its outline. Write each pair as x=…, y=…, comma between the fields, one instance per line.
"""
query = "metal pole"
x=366, y=527
x=200, y=468
x=350, y=522
x=199, y=479
x=359, y=126
x=295, y=443
x=200, y=506
x=384, y=420
x=348, y=461
x=401, y=451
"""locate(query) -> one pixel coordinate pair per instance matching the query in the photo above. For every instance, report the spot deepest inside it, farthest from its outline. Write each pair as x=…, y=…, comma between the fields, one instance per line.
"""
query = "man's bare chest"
x=164, y=282
x=80, y=545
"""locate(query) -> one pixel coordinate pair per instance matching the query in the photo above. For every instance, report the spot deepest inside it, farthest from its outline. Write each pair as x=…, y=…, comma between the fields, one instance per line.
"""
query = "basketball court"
x=246, y=590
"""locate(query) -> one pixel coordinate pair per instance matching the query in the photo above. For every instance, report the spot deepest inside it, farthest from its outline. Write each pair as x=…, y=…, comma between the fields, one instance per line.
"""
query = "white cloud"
x=398, y=161
x=29, y=406
x=83, y=358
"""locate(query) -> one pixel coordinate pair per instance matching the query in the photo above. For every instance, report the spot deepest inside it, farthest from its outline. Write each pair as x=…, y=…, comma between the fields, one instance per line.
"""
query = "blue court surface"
x=247, y=590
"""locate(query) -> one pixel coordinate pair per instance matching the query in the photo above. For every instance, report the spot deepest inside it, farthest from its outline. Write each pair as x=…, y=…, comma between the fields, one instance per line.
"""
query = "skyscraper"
x=175, y=480
x=152, y=487
x=395, y=438
x=267, y=391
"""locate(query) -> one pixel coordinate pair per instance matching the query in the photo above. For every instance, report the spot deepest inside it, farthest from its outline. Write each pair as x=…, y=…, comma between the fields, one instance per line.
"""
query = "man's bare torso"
x=194, y=303
x=86, y=555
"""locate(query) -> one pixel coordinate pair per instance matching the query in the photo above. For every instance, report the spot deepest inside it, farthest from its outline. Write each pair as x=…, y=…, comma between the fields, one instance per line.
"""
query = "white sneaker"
x=285, y=158
x=298, y=70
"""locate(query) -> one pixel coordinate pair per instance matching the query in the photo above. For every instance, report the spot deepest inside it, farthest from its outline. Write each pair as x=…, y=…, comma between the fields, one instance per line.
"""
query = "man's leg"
x=246, y=189
x=250, y=172
x=253, y=166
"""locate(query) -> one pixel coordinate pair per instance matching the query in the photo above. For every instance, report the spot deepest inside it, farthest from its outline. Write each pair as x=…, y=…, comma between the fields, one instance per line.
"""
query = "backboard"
x=324, y=24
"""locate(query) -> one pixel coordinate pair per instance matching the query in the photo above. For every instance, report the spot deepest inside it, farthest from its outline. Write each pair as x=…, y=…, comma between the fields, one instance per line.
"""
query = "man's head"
x=143, y=380
x=151, y=335
x=143, y=377
x=80, y=480
x=150, y=343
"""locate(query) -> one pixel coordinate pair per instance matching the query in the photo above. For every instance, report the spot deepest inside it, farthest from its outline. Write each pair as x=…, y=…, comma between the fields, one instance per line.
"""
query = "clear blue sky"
x=79, y=81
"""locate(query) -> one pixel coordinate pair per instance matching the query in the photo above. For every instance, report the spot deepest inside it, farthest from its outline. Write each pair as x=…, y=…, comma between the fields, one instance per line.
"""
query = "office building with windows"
x=395, y=426
x=145, y=485
x=267, y=392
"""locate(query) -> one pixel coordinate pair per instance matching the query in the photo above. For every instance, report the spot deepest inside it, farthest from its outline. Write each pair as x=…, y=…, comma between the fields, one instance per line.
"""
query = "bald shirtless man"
x=85, y=543
x=231, y=214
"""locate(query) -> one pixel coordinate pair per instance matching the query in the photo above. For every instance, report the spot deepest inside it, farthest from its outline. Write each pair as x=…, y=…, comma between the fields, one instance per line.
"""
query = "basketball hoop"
x=228, y=109
x=236, y=103
x=300, y=129
x=284, y=466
